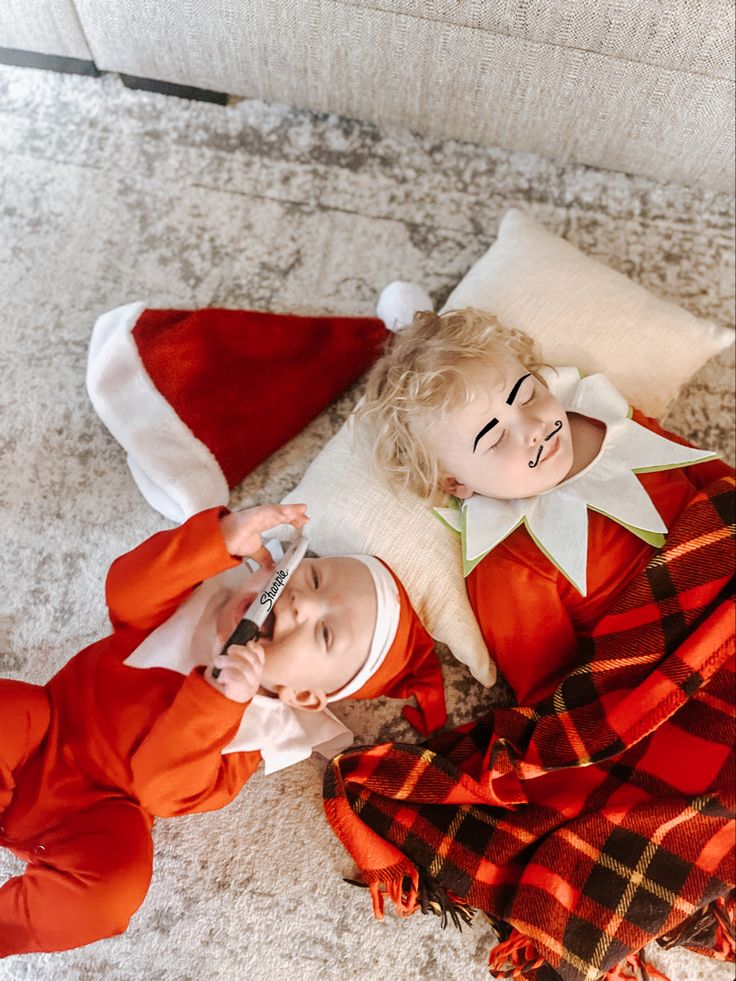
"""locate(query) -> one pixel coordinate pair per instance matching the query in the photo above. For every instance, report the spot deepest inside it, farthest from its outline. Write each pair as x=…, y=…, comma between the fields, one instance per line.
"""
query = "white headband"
x=388, y=611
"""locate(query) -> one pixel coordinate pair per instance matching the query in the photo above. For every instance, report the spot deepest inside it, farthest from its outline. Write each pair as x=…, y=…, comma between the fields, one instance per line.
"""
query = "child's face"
x=512, y=439
x=319, y=633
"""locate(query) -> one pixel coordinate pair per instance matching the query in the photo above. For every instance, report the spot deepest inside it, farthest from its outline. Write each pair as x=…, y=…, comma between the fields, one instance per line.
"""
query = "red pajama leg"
x=83, y=882
x=24, y=719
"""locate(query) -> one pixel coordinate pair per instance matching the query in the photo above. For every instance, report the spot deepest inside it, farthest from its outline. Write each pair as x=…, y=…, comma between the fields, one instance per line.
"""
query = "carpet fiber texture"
x=109, y=195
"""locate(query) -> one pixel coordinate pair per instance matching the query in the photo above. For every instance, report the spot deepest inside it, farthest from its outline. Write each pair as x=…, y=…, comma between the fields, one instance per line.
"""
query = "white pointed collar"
x=557, y=520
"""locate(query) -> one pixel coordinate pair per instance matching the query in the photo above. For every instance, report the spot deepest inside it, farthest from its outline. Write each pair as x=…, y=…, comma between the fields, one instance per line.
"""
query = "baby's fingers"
x=246, y=662
x=286, y=514
x=238, y=680
x=251, y=653
x=240, y=656
x=263, y=557
x=296, y=514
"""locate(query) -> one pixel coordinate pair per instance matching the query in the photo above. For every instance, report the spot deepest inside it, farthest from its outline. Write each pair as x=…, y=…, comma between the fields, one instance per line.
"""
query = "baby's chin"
x=543, y=483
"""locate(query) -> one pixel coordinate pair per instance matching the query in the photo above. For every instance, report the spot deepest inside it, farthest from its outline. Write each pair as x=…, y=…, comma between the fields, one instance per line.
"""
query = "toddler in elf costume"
x=561, y=492
x=137, y=726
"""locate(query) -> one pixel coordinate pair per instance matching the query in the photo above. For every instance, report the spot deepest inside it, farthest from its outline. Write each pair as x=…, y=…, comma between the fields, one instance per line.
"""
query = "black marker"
x=255, y=616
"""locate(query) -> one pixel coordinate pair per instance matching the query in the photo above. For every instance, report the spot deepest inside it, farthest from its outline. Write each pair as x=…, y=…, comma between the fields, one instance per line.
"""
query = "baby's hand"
x=242, y=529
x=240, y=671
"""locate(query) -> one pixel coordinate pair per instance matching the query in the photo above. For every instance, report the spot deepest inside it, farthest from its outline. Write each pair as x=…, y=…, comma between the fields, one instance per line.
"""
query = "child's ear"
x=452, y=486
x=308, y=701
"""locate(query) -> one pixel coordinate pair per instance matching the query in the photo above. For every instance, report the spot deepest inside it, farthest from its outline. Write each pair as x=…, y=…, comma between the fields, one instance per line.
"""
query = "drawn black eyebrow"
x=515, y=390
x=484, y=430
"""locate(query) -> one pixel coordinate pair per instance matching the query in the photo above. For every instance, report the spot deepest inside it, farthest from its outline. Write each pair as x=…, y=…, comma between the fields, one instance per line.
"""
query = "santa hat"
x=198, y=398
x=402, y=659
x=399, y=301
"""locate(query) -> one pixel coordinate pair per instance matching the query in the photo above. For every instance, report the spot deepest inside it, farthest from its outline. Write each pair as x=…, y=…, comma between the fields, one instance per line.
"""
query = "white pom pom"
x=398, y=303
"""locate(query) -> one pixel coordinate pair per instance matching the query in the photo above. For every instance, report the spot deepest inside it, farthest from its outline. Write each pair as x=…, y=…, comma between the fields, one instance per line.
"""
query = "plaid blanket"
x=595, y=821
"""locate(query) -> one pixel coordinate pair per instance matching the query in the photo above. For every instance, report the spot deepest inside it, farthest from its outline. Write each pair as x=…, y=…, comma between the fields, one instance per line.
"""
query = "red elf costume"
x=129, y=730
x=542, y=571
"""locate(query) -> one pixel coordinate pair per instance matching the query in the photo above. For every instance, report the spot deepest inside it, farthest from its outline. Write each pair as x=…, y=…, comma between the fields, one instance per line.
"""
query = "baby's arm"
x=179, y=767
x=181, y=760
x=147, y=584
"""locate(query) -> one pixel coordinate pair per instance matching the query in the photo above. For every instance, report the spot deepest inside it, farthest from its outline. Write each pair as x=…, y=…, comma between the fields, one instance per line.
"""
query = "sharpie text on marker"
x=269, y=596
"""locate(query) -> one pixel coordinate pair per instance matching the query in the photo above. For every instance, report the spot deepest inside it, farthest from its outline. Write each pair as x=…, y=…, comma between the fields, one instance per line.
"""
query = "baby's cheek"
x=270, y=647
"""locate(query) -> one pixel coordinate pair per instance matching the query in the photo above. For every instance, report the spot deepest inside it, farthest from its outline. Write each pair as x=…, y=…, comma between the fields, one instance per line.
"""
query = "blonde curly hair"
x=423, y=374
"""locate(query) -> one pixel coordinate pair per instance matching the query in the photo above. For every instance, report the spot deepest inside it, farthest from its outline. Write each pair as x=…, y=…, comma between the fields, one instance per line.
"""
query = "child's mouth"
x=551, y=452
x=554, y=447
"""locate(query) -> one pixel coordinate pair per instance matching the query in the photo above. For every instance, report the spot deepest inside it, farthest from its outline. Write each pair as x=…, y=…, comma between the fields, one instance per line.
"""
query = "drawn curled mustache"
x=558, y=426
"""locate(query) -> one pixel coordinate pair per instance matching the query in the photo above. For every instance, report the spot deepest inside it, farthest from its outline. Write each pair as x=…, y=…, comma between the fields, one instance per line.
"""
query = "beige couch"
x=644, y=86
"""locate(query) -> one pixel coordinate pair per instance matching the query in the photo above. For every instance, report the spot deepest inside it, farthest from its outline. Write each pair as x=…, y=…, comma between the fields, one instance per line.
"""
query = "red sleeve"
x=524, y=622
x=179, y=767
x=700, y=474
x=146, y=585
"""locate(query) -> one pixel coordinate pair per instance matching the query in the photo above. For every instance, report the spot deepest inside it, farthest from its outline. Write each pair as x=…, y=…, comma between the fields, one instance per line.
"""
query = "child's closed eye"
x=532, y=392
x=326, y=635
x=499, y=442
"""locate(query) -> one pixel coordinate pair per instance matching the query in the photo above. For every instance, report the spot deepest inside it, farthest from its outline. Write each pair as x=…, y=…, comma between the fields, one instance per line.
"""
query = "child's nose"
x=535, y=430
x=303, y=604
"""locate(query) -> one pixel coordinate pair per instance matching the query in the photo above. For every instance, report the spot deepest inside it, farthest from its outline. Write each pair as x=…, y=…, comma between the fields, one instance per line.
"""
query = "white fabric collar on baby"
x=558, y=519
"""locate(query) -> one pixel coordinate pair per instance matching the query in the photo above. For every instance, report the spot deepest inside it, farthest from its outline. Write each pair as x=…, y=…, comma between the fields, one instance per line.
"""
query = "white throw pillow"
x=583, y=313
x=351, y=510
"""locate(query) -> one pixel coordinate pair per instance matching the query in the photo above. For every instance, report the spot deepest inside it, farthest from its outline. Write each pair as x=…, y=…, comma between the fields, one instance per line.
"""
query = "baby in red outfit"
x=137, y=726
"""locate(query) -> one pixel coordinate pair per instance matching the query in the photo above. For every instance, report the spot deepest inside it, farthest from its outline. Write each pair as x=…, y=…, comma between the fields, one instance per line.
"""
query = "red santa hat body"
x=198, y=398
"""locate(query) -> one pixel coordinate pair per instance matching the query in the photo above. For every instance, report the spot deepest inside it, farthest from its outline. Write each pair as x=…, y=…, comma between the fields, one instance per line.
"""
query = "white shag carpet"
x=109, y=195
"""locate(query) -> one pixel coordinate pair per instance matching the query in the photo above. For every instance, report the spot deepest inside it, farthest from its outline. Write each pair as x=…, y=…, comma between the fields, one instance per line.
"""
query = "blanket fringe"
x=710, y=930
x=409, y=895
x=518, y=958
x=434, y=898
x=400, y=887
x=425, y=894
x=519, y=953
x=634, y=968
x=724, y=910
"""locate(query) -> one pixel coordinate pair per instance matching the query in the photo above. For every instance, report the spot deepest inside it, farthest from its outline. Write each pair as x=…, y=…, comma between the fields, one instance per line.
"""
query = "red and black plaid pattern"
x=604, y=816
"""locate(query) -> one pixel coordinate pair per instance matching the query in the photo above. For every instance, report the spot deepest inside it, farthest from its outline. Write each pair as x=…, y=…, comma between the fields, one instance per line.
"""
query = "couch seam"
x=547, y=44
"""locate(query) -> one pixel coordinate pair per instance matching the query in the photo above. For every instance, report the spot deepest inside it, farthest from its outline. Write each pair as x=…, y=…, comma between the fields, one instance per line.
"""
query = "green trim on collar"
x=654, y=538
x=677, y=466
